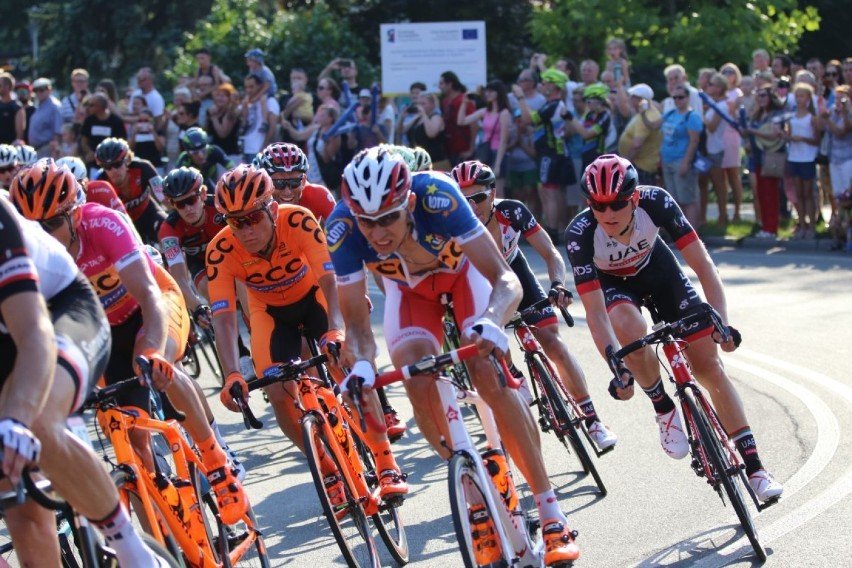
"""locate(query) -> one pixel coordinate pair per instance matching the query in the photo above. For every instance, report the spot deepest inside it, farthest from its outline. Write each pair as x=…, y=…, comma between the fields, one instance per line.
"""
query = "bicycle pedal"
x=393, y=439
x=768, y=503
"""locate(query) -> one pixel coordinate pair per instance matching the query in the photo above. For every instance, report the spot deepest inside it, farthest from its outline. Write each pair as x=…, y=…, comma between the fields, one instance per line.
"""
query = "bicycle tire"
x=190, y=361
x=159, y=550
x=387, y=521
x=715, y=454
x=465, y=493
x=351, y=531
x=207, y=345
x=218, y=532
x=129, y=496
x=567, y=425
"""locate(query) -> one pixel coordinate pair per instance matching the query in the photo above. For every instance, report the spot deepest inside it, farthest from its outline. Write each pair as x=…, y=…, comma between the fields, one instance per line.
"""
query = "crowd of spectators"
x=781, y=126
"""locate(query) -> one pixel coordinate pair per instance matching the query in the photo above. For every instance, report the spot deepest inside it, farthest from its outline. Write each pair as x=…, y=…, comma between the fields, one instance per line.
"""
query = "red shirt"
x=457, y=138
x=178, y=238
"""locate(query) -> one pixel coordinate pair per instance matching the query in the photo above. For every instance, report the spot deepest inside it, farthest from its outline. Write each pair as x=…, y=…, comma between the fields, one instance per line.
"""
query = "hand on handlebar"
x=621, y=386
x=488, y=337
x=331, y=343
x=162, y=372
x=559, y=295
x=730, y=340
x=362, y=374
x=20, y=448
x=202, y=316
x=235, y=392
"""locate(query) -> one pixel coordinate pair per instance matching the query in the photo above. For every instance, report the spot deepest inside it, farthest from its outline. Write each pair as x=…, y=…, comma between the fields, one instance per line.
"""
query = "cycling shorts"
x=556, y=171
x=82, y=338
x=276, y=331
x=417, y=313
x=670, y=289
x=533, y=292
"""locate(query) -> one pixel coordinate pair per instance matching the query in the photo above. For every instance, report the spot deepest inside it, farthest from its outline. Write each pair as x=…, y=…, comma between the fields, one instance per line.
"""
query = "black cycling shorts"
x=532, y=292
x=556, y=171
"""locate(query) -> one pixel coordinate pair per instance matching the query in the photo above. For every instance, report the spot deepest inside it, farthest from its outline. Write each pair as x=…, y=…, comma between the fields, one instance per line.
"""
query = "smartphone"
x=616, y=71
x=413, y=109
x=346, y=63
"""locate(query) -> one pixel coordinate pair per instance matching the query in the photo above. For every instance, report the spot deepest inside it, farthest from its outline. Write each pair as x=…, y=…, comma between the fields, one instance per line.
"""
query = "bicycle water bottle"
x=171, y=495
x=191, y=508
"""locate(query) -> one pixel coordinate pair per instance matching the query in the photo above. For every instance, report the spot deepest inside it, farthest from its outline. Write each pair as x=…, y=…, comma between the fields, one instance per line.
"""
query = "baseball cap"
x=641, y=90
x=255, y=54
x=365, y=93
x=23, y=85
x=42, y=82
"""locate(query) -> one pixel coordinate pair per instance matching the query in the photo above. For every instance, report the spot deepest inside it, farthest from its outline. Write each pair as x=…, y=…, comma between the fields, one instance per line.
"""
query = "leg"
x=736, y=183
x=720, y=188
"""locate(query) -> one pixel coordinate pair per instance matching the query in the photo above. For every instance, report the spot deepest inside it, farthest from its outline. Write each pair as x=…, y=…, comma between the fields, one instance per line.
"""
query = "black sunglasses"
x=679, y=97
x=188, y=202
x=292, y=183
x=53, y=223
x=618, y=205
x=113, y=166
x=477, y=198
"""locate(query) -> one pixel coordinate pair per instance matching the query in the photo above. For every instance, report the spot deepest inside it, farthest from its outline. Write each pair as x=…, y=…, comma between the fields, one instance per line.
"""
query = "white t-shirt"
x=155, y=101
x=389, y=113
x=715, y=140
x=254, y=137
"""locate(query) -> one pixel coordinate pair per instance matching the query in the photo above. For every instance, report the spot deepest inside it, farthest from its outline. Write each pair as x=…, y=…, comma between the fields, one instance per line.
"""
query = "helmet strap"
x=629, y=223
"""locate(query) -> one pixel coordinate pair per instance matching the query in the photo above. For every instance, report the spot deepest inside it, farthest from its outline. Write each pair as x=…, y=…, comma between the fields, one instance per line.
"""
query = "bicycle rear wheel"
x=158, y=549
x=724, y=471
x=387, y=521
x=190, y=361
x=207, y=347
x=564, y=423
x=471, y=513
x=347, y=520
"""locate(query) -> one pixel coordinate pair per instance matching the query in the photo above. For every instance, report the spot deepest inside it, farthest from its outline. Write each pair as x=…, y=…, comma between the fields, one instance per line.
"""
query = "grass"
x=748, y=229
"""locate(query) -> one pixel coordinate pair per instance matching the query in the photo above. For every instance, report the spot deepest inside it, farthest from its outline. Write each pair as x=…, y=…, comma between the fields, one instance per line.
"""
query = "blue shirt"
x=676, y=128
x=45, y=123
x=442, y=219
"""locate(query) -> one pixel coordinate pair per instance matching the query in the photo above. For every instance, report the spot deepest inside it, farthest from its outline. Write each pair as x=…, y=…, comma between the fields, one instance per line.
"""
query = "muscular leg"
x=703, y=356
x=629, y=325
x=567, y=366
x=281, y=397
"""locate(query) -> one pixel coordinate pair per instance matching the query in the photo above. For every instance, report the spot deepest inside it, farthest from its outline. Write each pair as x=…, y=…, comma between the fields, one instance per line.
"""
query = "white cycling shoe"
x=764, y=485
x=672, y=438
x=604, y=437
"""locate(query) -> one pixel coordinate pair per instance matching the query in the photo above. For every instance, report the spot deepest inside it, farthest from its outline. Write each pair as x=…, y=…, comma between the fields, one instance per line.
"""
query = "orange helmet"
x=45, y=190
x=242, y=189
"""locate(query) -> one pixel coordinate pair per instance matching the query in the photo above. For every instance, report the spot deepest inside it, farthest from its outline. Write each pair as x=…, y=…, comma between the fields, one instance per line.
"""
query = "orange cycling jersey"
x=298, y=260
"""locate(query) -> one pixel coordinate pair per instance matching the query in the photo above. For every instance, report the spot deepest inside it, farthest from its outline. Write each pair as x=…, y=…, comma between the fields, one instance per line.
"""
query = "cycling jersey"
x=297, y=262
x=514, y=220
x=443, y=220
x=214, y=159
x=318, y=199
x=102, y=191
x=137, y=196
x=549, y=135
x=184, y=243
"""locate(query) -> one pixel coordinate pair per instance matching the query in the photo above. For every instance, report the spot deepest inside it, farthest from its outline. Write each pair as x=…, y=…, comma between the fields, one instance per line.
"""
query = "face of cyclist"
x=256, y=237
x=6, y=175
x=198, y=156
x=613, y=222
x=190, y=207
x=117, y=173
x=481, y=200
x=387, y=232
x=288, y=187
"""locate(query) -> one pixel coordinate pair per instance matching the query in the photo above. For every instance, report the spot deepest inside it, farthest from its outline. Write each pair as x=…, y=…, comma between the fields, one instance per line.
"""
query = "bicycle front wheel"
x=724, y=471
x=564, y=423
x=475, y=523
x=207, y=347
x=345, y=516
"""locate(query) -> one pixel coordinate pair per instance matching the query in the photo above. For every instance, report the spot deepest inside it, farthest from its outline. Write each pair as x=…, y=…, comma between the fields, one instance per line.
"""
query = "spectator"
x=638, y=143
x=594, y=125
x=100, y=124
x=144, y=139
x=759, y=61
x=299, y=109
x=156, y=104
x=496, y=117
x=174, y=128
x=259, y=116
x=325, y=166
x=732, y=160
x=617, y=62
x=781, y=64
x=803, y=137
x=44, y=130
x=716, y=125
x=255, y=62
x=410, y=114
x=428, y=131
x=764, y=128
x=369, y=133
x=186, y=117
x=704, y=75
x=348, y=72
x=817, y=69
x=107, y=87
x=522, y=175
x=208, y=159
x=328, y=93
x=838, y=122
x=847, y=71
x=24, y=92
x=681, y=131
x=619, y=102
x=79, y=92
x=13, y=118
x=206, y=68
x=203, y=94
x=589, y=72
x=676, y=75
x=459, y=139
x=70, y=145
x=224, y=120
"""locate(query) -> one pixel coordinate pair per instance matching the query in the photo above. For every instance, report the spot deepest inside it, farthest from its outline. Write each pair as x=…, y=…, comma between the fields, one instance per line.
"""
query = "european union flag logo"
x=470, y=34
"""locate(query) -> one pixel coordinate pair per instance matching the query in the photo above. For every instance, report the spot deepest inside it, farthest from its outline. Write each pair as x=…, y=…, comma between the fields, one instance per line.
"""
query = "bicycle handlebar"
x=661, y=331
x=518, y=319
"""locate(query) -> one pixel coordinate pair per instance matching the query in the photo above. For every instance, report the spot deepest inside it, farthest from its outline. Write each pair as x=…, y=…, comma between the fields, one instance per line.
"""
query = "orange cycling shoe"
x=560, y=549
x=396, y=428
x=336, y=494
x=486, y=549
x=230, y=496
x=392, y=484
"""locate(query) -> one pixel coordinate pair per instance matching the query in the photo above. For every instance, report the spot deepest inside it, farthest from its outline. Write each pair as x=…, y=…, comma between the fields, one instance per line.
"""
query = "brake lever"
x=554, y=295
x=250, y=421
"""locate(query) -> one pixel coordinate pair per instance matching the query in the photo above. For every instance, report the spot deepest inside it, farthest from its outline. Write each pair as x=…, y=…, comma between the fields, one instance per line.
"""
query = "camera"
x=412, y=109
x=346, y=63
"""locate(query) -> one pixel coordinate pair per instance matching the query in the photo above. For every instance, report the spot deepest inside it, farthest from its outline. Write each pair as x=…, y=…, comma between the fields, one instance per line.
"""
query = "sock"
x=212, y=454
x=548, y=508
x=744, y=441
x=119, y=535
x=662, y=402
x=384, y=457
x=588, y=408
x=219, y=438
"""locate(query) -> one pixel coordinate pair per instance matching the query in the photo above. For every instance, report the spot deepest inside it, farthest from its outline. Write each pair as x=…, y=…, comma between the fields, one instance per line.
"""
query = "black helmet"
x=195, y=138
x=111, y=150
x=181, y=181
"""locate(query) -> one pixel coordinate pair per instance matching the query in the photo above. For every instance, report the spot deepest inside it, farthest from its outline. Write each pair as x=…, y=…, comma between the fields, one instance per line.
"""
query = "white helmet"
x=8, y=155
x=27, y=156
x=375, y=180
x=76, y=165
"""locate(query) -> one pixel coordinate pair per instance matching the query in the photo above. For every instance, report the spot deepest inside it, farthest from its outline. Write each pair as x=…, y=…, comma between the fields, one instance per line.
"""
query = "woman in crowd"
x=428, y=131
x=765, y=129
x=321, y=153
x=803, y=137
x=717, y=88
x=682, y=128
x=223, y=121
x=328, y=92
x=496, y=117
x=732, y=160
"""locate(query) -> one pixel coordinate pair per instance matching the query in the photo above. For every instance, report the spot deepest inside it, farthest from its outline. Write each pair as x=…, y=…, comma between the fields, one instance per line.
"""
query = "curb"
x=755, y=243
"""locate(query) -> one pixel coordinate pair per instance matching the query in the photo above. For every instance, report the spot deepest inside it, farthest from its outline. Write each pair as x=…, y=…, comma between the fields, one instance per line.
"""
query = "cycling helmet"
x=407, y=155
x=472, y=172
x=243, y=189
x=46, y=190
x=111, y=150
x=181, y=181
x=555, y=76
x=596, y=91
x=375, y=180
x=283, y=157
x=76, y=165
x=257, y=161
x=610, y=178
x=27, y=155
x=195, y=138
x=422, y=160
x=8, y=155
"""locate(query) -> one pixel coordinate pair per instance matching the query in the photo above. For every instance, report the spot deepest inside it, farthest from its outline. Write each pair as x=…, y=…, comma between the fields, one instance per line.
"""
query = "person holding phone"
x=348, y=72
x=79, y=92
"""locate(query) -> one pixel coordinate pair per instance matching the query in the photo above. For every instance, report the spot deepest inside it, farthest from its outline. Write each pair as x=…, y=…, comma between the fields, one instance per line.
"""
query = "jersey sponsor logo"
x=216, y=256
x=579, y=226
x=301, y=218
x=276, y=274
x=219, y=305
x=434, y=241
x=276, y=283
x=583, y=270
x=437, y=201
x=328, y=266
x=336, y=232
x=17, y=269
x=642, y=247
x=111, y=224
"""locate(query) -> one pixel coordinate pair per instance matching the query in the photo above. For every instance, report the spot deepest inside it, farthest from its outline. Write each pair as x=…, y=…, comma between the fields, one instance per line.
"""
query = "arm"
x=506, y=290
x=655, y=124
x=526, y=117
x=332, y=145
x=698, y=259
x=180, y=273
x=686, y=163
x=140, y=284
x=328, y=284
x=505, y=119
x=465, y=119
x=272, y=119
x=360, y=342
x=584, y=132
x=226, y=331
x=299, y=135
x=433, y=125
x=542, y=244
x=713, y=123
x=634, y=147
x=333, y=65
x=598, y=321
x=20, y=123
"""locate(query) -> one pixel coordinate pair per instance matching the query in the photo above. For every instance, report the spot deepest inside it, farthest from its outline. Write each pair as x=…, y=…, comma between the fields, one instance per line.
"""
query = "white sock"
x=119, y=535
x=548, y=508
x=219, y=438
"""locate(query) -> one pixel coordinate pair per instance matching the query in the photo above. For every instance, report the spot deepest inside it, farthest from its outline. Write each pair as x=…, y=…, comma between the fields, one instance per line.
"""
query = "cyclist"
x=279, y=252
x=506, y=221
x=420, y=235
x=184, y=235
x=619, y=258
x=198, y=153
x=133, y=180
x=97, y=191
x=8, y=165
x=132, y=289
x=422, y=159
x=27, y=155
x=54, y=343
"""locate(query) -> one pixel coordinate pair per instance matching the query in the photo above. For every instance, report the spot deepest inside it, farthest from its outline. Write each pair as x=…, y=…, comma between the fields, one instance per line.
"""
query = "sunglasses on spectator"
x=7, y=169
x=679, y=97
x=292, y=183
x=188, y=202
x=384, y=220
x=40, y=89
x=53, y=223
x=248, y=220
x=614, y=205
x=113, y=166
x=479, y=197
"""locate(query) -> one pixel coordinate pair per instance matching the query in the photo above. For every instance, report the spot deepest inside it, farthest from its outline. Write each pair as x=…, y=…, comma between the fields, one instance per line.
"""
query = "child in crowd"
x=803, y=135
x=617, y=62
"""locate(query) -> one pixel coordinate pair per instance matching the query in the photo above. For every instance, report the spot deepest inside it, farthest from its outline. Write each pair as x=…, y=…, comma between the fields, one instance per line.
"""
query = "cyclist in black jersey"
x=207, y=158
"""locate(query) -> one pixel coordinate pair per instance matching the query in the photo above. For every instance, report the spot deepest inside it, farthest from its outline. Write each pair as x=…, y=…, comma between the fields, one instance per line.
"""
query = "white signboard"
x=421, y=52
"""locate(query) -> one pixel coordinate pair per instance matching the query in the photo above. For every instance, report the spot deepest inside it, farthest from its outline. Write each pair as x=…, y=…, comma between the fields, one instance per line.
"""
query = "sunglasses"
x=39, y=90
x=248, y=220
x=292, y=183
x=113, y=166
x=679, y=97
x=188, y=202
x=7, y=169
x=53, y=223
x=384, y=220
x=477, y=198
x=614, y=205
x=198, y=150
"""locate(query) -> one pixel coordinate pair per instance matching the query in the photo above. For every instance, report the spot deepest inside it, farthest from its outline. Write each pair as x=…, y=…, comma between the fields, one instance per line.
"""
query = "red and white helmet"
x=375, y=180
x=283, y=157
x=609, y=178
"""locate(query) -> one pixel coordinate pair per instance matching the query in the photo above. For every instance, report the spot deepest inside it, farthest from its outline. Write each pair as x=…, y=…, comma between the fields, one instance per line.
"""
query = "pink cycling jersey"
x=108, y=243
